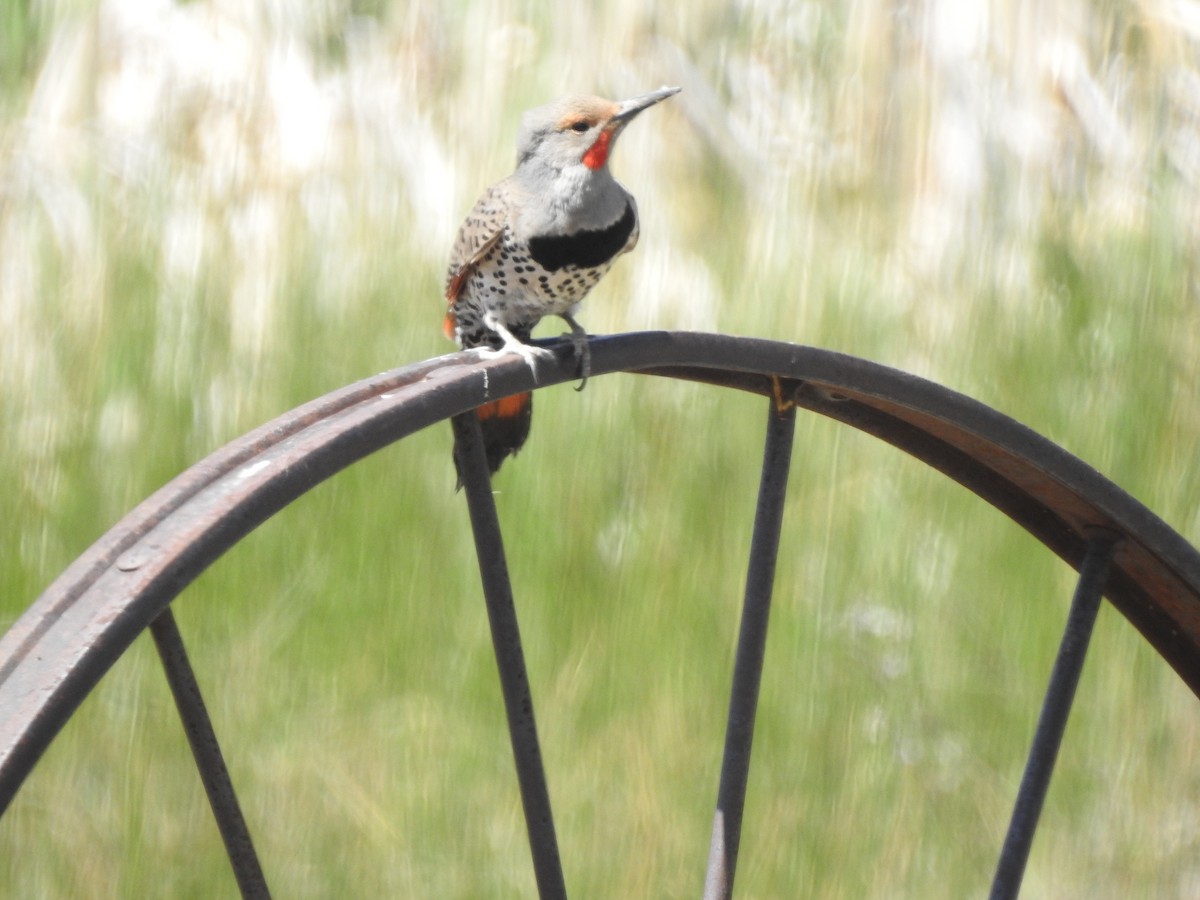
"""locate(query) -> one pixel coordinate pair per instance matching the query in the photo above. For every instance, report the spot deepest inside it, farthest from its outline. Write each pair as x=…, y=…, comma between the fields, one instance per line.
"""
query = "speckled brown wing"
x=478, y=236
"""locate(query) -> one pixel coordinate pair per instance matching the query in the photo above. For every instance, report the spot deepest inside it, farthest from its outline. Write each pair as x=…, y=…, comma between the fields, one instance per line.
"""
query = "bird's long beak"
x=627, y=109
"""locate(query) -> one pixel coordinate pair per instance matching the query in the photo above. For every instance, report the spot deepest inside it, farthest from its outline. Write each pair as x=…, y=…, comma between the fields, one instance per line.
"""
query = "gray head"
x=578, y=130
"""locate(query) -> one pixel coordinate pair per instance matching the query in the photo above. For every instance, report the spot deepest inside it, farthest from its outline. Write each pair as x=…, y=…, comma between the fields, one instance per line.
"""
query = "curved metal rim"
x=58, y=650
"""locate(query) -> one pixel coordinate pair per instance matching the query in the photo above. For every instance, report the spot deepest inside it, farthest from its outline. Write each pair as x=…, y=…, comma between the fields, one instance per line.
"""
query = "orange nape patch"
x=449, y=324
x=505, y=408
x=597, y=154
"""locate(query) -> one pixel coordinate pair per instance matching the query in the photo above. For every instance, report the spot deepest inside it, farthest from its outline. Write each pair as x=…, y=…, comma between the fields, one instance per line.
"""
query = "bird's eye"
x=580, y=127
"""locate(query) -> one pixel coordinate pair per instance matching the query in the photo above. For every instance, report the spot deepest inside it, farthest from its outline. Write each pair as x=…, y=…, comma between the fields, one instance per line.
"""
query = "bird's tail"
x=504, y=425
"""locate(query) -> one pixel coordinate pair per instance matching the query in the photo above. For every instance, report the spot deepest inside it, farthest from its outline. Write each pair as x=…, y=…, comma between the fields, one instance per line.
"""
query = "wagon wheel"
x=59, y=649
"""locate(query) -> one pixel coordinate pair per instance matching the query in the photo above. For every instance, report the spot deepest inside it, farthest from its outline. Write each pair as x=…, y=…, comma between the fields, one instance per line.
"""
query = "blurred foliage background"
x=213, y=211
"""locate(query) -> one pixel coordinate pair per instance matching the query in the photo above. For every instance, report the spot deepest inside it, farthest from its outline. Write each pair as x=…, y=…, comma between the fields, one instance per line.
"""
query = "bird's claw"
x=513, y=344
x=583, y=350
x=526, y=352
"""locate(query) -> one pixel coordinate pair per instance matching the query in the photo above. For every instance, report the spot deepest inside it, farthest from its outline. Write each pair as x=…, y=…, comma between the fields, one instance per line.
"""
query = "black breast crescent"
x=585, y=249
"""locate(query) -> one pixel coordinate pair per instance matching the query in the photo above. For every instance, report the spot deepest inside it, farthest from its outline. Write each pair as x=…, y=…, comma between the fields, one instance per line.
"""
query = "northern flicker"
x=538, y=241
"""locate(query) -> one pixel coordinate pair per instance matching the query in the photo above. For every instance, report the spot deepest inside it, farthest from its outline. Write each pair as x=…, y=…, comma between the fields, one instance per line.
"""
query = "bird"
x=537, y=242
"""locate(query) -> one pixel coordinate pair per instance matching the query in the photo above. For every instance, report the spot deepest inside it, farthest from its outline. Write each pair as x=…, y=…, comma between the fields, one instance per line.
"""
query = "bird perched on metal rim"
x=538, y=241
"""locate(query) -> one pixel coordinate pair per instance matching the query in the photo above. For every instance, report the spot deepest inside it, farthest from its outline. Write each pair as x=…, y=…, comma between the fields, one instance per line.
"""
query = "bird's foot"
x=513, y=345
x=526, y=352
x=583, y=351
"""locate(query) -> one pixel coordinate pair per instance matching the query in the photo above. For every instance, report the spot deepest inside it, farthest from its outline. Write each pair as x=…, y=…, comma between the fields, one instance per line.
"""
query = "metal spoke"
x=1060, y=693
x=752, y=638
x=506, y=639
x=207, y=753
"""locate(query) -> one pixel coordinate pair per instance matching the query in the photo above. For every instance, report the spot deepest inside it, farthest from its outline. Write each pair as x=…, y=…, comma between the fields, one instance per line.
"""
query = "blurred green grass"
x=195, y=240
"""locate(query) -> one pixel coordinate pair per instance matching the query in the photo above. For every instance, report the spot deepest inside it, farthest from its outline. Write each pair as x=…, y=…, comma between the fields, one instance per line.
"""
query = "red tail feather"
x=504, y=425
